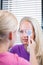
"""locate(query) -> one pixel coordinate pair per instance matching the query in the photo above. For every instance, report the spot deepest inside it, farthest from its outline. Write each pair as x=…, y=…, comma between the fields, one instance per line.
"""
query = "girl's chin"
x=25, y=43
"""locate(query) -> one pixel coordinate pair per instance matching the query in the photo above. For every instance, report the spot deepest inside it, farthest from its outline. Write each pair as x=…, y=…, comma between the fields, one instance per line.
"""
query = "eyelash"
x=21, y=31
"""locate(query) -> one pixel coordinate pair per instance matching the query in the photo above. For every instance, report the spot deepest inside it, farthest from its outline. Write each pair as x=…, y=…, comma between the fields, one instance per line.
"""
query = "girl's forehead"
x=25, y=22
x=25, y=25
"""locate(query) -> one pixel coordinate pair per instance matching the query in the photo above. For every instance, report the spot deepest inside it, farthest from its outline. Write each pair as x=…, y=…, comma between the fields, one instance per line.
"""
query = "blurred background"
x=21, y=8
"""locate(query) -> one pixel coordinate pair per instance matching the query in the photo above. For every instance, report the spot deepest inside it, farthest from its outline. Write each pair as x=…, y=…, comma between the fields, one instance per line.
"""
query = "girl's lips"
x=25, y=40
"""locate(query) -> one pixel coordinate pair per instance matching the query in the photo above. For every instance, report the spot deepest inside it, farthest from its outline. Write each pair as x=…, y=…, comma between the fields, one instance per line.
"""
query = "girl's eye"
x=21, y=31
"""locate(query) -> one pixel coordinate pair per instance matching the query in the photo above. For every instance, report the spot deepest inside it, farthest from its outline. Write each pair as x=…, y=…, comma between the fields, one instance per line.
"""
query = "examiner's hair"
x=8, y=23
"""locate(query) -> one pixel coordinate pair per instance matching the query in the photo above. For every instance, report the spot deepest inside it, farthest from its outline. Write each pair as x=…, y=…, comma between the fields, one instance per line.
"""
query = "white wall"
x=21, y=8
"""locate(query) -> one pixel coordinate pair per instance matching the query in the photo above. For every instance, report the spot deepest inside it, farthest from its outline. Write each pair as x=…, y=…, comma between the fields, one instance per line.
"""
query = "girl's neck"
x=25, y=46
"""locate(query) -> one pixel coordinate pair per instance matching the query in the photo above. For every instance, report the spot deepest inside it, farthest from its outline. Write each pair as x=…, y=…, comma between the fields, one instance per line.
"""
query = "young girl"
x=30, y=48
x=8, y=24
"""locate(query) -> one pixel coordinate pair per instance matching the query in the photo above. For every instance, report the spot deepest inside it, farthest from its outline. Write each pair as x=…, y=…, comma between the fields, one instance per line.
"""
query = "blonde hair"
x=38, y=33
x=8, y=21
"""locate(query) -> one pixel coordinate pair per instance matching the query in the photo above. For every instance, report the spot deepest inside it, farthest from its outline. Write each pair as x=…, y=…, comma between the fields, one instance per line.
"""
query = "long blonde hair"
x=38, y=33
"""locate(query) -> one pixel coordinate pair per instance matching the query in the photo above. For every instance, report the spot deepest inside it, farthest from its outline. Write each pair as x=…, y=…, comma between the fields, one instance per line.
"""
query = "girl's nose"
x=25, y=34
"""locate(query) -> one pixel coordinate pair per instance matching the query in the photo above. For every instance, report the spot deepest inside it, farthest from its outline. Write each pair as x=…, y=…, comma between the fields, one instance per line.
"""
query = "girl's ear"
x=10, y=36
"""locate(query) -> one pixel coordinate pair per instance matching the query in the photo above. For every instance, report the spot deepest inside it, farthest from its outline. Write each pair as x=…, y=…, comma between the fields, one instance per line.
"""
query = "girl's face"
x=24, y=26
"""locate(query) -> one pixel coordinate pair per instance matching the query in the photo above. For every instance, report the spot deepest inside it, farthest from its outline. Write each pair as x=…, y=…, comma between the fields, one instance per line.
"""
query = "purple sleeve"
x=14, y=49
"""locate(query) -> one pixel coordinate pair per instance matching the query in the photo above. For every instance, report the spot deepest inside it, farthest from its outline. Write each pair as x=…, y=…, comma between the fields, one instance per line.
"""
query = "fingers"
x=31, y=41
x=32, y=44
